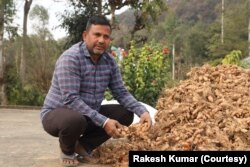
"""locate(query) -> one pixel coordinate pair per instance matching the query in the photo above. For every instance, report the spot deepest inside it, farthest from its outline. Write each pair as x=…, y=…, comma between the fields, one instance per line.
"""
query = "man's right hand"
x=111, y=128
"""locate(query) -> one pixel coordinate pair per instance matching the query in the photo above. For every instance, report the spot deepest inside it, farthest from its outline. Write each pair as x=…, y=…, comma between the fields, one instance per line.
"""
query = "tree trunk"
x=24, y=44
x=113, y=5
x=99, y=7
x=2, y=85
x=113, y=16
x=1, y=39
x=173, y=62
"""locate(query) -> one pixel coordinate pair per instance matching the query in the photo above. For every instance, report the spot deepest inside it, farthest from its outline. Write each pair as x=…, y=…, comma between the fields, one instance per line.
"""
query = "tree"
x=44, y=52
x=145, y=13
x=236, y=15
x=185, y=26
x=7, y=11
x=41, y=17
x=24, y=52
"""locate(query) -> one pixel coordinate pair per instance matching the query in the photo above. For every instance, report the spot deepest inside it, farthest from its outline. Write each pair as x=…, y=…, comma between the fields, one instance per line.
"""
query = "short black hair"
x=97, y=20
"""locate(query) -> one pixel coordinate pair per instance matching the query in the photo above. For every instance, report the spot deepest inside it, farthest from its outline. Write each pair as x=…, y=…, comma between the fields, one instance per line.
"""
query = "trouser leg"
x=66, y=124
x=94, y=136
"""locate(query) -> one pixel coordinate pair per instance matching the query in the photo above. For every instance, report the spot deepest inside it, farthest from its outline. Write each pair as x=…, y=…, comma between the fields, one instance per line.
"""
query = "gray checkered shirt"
x=79, y=84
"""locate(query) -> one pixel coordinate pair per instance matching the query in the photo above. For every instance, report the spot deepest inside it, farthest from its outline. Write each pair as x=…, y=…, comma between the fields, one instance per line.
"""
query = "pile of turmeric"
x=210, y=110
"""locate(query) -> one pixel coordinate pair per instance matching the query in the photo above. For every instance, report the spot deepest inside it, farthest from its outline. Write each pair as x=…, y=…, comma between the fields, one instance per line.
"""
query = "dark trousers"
x=70, y=126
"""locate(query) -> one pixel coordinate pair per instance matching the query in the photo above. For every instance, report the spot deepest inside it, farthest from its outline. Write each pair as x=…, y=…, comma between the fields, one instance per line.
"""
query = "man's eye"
x=106, y=37
x=97, y=35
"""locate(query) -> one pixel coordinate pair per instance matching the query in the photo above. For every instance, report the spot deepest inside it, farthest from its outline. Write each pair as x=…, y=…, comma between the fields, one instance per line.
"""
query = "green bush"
x=21, y=95
x=232, y=58
x=146, y=70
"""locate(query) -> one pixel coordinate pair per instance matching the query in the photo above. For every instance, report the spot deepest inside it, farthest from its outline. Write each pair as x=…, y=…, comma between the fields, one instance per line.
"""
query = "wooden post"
x=222, y=21
x=173, y=61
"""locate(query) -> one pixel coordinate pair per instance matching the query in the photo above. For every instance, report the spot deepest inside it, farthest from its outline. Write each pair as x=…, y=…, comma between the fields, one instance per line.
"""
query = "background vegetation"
x=162, y=39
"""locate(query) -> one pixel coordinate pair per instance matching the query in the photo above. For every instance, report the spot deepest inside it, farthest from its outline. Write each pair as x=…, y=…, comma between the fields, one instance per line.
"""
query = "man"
x=72, y=108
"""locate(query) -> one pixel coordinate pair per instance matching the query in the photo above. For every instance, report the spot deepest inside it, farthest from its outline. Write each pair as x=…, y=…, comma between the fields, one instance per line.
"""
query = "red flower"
x=113, y=53
x=123, y=53
x=165, y=50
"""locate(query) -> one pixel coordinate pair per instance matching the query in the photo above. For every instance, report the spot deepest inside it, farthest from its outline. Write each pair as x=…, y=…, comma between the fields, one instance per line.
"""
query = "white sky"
x=53, y=8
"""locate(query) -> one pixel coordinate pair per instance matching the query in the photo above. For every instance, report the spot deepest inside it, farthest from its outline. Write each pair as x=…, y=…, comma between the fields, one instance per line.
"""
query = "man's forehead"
x=98, y=27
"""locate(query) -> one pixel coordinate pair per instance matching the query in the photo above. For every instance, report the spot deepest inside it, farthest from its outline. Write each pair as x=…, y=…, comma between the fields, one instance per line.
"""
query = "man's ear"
x=84, y=35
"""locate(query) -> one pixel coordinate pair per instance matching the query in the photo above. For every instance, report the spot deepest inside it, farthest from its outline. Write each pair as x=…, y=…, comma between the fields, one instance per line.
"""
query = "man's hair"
x=97, y=20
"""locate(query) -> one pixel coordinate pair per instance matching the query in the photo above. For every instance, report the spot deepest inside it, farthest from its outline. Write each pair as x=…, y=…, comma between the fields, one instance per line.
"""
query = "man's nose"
x=101, y=39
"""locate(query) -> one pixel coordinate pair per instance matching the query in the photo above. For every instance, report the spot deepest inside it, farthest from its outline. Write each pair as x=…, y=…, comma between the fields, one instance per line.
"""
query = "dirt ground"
x=23, y=142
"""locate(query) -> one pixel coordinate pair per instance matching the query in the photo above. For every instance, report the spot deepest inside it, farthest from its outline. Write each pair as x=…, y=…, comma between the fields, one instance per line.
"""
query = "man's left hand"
x=145, y=118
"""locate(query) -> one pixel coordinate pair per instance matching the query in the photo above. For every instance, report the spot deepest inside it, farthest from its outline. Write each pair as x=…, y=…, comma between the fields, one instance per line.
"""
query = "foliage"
x=145, y=13
x=194, y=27
x=195, y=45
x=40, y=13
x=41, y=17
x=146, y=70
x=43, y=56
x=19, y=95
x=235, y=29
x=166, y=31
x=192, y=11
x=42, y=52
x=108, y=95
x=245, y=64
x=215, y=62
x=45, y=50
x=75, y=24
x=232, y=58
x=8, y=10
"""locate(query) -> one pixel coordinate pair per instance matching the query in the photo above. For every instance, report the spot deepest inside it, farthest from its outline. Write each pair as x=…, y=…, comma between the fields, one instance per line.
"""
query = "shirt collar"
x=84, y=49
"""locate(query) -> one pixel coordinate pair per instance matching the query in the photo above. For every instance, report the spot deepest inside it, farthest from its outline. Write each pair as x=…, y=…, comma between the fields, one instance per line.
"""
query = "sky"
x=54, y=8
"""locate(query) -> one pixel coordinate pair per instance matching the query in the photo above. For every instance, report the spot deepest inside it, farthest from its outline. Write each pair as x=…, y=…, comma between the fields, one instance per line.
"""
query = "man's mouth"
x=99, y=47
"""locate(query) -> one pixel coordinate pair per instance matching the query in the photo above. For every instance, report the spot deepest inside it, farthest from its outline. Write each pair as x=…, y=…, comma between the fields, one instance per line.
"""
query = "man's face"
x=97, y=39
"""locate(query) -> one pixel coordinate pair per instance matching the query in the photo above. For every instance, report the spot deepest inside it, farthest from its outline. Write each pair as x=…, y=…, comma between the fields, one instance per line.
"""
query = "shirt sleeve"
x=69, y=78
x=122, y=95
